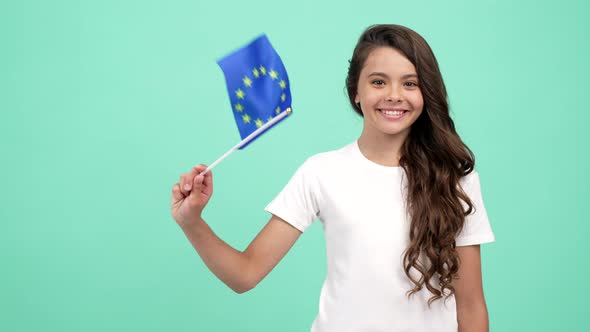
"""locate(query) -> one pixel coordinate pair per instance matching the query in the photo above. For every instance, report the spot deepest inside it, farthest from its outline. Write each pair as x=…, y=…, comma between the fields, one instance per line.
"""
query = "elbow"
x=243, y=288
x=239, y=290
x=248, y=279
x=247, y=284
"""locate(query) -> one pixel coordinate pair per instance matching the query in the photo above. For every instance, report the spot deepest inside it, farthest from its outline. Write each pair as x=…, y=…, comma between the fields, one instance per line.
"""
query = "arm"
x=241, y=271
x=472, y=314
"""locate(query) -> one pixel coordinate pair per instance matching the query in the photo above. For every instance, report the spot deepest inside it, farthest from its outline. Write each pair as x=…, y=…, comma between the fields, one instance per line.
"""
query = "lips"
x=392, y=115
x=392, y=109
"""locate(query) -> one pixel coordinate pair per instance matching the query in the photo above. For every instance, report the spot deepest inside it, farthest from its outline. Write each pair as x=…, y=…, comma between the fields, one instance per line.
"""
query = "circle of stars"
x=258, y=73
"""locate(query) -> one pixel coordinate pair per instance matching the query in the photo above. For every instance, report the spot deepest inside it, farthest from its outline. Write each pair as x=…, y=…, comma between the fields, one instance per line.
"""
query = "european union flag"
x=257, y=84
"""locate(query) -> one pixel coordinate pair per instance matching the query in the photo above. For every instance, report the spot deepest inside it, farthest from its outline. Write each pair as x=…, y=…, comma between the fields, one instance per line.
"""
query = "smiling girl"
x=401, y=206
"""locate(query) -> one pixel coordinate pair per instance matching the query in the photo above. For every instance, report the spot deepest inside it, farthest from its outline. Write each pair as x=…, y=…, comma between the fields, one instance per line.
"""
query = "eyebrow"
x=385, y=75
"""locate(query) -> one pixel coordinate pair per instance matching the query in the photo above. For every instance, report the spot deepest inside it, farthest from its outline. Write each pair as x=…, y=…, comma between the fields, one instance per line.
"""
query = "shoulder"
x=470, y=184
x=470, y=180
x=327, y=160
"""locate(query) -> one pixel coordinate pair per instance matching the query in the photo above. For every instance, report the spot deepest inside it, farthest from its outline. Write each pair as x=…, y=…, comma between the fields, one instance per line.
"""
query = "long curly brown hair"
x=434, y=159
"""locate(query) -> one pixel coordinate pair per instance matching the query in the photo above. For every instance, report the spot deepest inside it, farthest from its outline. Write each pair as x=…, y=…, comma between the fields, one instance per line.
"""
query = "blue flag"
x=257, y=84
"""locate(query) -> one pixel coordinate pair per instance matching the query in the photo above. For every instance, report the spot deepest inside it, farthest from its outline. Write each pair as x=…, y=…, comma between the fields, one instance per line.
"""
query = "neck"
x=382, y=149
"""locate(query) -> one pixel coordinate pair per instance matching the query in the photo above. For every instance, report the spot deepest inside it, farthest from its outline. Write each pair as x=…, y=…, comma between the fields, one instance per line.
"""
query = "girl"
x=401, y=206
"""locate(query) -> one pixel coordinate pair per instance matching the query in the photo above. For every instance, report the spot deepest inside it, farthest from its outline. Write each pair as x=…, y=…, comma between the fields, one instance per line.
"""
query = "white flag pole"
x=249, y=138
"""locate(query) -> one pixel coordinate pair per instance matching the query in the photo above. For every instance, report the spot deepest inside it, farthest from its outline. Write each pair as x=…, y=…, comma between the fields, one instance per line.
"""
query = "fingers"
x=208, y=177
x=201, y=168
x=187, y=179
x=207, y=180
x=202, y=184
x=184, y=184
x=177, y=195
x=193, y=188
x=200, y=193
x=198, y=183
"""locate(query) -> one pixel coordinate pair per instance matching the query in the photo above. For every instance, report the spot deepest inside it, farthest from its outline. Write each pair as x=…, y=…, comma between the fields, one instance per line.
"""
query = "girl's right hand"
x=191, y=195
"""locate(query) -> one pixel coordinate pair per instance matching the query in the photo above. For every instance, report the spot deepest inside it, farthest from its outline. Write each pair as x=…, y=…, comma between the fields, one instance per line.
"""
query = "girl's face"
x=386, y=87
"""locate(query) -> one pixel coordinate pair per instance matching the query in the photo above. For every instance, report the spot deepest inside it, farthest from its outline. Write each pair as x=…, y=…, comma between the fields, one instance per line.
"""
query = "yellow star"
x=273, y=74
x=262, y=70
x=240, y=94
x=283, y=84
x=255, y=72
x=283, y=97
x=247, y=81
x=239, y=107
x=269, y=118
x=246, y=118
x=278, y=110
x=259, y=123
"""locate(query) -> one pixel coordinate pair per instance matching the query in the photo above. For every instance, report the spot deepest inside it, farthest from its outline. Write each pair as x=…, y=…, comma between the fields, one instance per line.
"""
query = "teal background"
x=104, y=104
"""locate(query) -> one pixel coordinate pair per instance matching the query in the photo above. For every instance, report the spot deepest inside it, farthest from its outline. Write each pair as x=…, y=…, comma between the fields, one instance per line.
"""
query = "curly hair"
x=434, y=159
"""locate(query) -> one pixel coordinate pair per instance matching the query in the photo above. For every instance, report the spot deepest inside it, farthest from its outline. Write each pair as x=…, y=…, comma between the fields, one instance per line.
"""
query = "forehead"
x=389, y=61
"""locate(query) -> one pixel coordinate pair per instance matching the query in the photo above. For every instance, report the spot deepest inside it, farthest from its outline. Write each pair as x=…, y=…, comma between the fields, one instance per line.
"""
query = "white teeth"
x=394, y=113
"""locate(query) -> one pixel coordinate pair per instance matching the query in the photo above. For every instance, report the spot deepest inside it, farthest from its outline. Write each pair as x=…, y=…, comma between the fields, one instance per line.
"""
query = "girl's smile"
x=392, y=114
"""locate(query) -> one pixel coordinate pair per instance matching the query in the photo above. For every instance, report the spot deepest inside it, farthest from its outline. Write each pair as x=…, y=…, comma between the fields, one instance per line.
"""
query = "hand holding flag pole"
x=258, y=88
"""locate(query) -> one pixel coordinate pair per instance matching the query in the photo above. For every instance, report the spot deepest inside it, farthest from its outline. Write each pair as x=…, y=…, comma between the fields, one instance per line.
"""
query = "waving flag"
x=258, y=88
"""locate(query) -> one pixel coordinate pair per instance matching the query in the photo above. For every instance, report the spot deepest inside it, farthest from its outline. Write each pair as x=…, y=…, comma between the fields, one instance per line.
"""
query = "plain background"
x=103, y=104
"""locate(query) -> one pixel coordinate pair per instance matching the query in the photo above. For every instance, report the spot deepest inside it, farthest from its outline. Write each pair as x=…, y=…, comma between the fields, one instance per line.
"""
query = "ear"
x=357, y=99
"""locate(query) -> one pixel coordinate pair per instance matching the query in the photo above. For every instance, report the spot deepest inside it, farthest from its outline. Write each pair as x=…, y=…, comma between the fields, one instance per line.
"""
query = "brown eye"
x=378, y=82
x=414, y=84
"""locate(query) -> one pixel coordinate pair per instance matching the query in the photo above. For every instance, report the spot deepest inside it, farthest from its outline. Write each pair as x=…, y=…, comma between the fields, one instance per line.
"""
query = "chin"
x=394, y=131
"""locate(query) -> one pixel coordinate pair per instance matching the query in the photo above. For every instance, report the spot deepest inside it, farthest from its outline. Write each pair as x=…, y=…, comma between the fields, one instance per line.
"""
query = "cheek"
x=372, y=97
x=418, y=101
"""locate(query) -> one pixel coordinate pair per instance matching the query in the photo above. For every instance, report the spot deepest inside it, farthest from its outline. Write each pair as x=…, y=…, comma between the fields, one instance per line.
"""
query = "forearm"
x=227, y=263
x=473, y=319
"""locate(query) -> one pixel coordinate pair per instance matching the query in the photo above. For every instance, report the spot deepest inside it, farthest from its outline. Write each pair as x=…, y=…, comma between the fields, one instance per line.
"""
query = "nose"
x=394, y=94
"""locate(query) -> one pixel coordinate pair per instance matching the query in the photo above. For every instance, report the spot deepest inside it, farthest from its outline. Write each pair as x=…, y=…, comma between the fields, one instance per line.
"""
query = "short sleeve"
x=297, y=203
x=477, y=229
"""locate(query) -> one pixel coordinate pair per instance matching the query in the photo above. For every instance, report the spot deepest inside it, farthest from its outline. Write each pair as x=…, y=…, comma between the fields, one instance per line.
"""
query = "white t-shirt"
x=360, y=205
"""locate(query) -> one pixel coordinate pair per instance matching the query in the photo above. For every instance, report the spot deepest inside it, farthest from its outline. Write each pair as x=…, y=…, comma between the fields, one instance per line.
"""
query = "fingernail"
x=187, y=187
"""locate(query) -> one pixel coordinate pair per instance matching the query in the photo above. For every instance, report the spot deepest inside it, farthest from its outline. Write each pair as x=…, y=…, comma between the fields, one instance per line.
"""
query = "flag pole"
x=249, y=138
